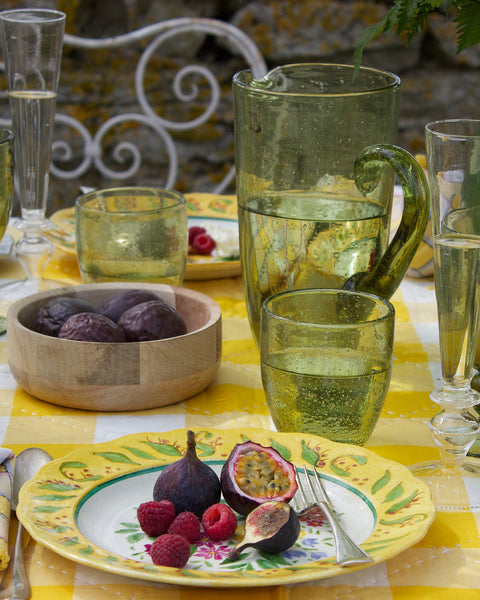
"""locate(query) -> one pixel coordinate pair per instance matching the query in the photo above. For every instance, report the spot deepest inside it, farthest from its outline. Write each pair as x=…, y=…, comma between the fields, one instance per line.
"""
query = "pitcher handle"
x=389, y=272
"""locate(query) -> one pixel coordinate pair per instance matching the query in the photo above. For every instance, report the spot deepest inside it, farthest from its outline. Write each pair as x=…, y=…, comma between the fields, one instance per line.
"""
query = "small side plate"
x=200, y=207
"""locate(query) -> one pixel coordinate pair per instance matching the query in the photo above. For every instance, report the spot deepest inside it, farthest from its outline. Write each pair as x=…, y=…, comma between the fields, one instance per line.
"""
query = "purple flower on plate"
x=294, y=553
x=318, y=555
x=310, y=542
x=213, y=551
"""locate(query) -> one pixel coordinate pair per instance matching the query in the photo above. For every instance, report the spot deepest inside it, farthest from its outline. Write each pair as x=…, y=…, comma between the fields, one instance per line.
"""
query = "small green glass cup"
x=326, y=361
x=132, y=234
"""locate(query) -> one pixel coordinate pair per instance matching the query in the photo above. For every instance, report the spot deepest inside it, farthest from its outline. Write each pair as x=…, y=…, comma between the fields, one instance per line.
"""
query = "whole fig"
x=154, y=320
x=189, y=483
x=116, y=305
x=91, y=327
x=253, y=474
x=271, y=527
x=54, y=313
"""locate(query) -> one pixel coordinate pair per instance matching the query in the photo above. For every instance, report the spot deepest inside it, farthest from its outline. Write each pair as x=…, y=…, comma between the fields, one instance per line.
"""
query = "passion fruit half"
x=254, y=474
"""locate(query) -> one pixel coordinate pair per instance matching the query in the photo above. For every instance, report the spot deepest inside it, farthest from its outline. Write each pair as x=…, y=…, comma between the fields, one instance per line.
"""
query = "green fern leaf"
x=409, y=17
x=468, y=24
x=413, y=17
x=367, y=35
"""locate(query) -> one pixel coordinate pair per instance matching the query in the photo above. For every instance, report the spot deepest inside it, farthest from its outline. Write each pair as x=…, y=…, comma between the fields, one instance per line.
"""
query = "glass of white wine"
x=453, y=159
x=32, y=42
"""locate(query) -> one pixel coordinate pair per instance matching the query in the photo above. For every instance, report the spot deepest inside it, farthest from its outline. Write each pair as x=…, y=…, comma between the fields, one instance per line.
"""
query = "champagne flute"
x=32, y=47
x=453, y=158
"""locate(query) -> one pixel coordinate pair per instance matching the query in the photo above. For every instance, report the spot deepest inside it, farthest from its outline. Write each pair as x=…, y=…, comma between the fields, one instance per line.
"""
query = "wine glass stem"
x=454, y=431
x=33, y=251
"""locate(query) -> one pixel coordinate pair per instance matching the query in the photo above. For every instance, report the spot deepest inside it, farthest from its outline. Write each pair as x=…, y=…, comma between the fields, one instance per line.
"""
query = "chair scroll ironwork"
x=92, y=154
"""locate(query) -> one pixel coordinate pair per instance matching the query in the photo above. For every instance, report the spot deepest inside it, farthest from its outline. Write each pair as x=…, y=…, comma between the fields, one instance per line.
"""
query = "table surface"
x=444, y=564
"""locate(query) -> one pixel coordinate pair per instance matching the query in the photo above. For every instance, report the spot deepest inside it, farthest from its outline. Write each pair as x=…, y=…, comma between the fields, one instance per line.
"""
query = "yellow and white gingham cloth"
x=7, y=463
x=444, y=565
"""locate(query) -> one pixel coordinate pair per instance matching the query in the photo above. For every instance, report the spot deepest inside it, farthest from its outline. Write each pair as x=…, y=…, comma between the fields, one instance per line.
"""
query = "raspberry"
x=203, y=243
x=193, y=232
x=219, y=522
x=187, y=525
x=170, y=551
x=155, y=517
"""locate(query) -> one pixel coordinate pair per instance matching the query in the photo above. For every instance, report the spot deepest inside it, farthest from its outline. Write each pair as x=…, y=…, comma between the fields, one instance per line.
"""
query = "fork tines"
x=348, y=552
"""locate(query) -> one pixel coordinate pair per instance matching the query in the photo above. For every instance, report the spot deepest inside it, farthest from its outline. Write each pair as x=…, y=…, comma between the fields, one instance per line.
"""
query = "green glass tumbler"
x=326, y=361
x=132, y=234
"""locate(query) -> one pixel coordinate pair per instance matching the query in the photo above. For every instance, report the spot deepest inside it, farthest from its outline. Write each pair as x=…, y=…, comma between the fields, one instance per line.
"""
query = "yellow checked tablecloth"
x=444, y=565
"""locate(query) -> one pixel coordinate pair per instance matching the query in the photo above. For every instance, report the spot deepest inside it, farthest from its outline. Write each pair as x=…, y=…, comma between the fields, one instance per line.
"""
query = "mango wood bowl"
x=116, y=376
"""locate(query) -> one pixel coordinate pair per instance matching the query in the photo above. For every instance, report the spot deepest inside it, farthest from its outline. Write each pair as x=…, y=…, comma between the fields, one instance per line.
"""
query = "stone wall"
x=436, y=82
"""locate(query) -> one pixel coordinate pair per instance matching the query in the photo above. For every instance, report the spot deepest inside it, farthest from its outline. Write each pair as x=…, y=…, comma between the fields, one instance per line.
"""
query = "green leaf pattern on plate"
x=141, y=453
x=281, y=449
x=53, y=497
x=382, y=482
x=116, y=457
x=47, y=509
x=204, y=450
x=166, y=449
x=60, y=486
x=402, y=504
x=395, y=493
x=308, y=454
x=78, y=471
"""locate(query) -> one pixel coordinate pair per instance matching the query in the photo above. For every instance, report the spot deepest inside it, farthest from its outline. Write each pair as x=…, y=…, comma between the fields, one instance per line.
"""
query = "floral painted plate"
x=83, y=507
x=219, y=212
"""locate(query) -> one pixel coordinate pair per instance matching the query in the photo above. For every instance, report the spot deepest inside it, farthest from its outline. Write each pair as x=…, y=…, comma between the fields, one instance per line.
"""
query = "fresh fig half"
x=254, y=474
x=271, y=527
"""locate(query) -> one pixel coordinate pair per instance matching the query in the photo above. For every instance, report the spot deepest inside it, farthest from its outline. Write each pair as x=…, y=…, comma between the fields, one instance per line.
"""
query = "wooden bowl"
x=116, y=377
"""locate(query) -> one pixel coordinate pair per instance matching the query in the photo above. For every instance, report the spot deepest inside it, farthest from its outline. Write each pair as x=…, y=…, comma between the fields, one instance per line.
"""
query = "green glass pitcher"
x=316, y=168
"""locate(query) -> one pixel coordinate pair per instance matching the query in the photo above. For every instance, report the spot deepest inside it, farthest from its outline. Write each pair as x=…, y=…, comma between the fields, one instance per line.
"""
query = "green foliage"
x=408, y=17
x=468, y=23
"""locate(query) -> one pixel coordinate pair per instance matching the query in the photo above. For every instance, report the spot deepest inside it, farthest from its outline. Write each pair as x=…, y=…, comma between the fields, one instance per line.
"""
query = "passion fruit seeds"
x=254, y=474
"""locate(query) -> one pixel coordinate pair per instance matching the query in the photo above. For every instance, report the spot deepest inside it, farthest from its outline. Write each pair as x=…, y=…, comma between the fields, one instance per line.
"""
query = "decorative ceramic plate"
x=84, y=508
x=203, y=209
x=214, y=266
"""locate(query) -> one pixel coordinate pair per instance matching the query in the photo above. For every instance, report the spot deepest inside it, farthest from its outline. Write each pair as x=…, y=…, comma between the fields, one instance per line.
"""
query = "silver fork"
x=348, y=552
